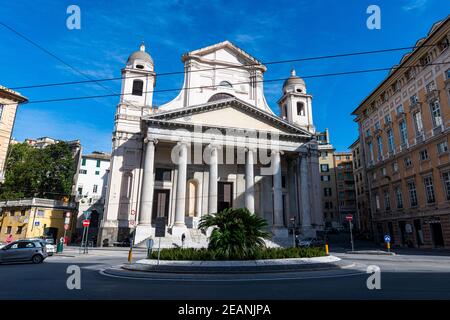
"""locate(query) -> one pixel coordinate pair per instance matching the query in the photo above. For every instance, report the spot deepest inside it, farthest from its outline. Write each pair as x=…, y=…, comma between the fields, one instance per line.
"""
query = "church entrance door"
x=160, y=204
x=225, y=196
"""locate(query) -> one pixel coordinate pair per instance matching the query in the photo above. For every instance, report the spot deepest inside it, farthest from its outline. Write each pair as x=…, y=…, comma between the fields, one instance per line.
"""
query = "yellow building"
x=30, y=218
x=9, y=100
x=404, y=127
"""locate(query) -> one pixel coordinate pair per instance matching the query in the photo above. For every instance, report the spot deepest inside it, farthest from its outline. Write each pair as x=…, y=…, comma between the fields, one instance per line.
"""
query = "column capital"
x=281, y=152
x=252, y=149
x=150, y=140
x=213, y=146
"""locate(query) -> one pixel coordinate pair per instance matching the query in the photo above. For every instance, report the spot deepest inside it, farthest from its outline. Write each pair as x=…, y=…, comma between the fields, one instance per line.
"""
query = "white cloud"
x=415, y=4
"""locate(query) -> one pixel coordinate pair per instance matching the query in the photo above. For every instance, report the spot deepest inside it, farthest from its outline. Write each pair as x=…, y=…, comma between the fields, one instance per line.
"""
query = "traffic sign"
x=86, y=223
x=87, y=214
x=387, y=238
x=66, y=220
x=160, y=227
x=66, y=227
x=349, y=217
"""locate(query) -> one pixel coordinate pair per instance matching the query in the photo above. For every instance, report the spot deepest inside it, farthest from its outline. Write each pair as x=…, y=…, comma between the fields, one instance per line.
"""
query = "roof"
x=406, y=57
x=175, y=113
x=294, y=79
x=141, y=54
x=224, y=44
x=98, y=155
x=13, y=95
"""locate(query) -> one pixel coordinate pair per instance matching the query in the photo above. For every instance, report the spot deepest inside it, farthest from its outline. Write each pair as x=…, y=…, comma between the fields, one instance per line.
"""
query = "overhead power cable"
x=236, y=83
x=162, y=74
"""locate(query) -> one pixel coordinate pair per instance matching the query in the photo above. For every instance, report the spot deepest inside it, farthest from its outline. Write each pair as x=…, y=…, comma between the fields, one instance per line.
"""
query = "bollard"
x=388, y=246
x=326, y=249
x=130, y=255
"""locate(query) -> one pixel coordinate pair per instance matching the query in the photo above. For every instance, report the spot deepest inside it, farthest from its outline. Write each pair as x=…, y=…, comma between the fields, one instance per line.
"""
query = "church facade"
x=216, y=145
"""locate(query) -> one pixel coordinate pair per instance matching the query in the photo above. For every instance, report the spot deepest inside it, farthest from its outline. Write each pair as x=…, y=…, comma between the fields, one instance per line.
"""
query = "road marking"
x=102, y=272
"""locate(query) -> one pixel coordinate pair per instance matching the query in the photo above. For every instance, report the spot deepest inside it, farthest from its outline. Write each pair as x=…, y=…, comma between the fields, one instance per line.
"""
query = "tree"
x=236, y=232
x=32, y=172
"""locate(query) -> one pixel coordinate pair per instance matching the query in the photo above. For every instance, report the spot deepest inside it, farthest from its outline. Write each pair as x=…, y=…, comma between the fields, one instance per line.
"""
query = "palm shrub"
x=236, y=234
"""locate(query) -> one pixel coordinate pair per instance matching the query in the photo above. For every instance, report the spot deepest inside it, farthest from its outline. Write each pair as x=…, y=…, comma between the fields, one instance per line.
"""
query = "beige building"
x=403, y=138
x=345, y=187
x=9, y=101
x=328, y=180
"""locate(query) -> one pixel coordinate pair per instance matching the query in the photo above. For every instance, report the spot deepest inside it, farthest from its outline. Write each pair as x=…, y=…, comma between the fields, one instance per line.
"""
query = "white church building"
x=217, y=145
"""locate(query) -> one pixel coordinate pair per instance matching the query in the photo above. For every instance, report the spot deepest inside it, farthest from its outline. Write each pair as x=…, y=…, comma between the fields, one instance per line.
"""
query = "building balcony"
x=416, y=106
x=432, y=95
x=400, y=116
x=438, y=129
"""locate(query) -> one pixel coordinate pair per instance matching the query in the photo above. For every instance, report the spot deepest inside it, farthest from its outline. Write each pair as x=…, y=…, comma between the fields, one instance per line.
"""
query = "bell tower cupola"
x=296, y=103
x=138, y=79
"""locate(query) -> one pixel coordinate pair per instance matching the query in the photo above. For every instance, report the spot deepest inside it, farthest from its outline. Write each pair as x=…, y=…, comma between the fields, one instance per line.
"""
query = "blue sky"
x=269, y=30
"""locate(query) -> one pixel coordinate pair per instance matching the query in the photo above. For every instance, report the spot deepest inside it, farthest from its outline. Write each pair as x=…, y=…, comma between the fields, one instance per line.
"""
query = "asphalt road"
x=409, y=276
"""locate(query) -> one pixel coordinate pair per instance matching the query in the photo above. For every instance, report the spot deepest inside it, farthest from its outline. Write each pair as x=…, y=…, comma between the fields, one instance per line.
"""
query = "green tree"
x=32, y=172
x=237, y=233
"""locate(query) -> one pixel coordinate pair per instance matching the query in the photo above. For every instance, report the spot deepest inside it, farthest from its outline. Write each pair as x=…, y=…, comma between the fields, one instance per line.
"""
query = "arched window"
x=138, y=86
x=225, y=84
x=300, y=109
x=220, y=96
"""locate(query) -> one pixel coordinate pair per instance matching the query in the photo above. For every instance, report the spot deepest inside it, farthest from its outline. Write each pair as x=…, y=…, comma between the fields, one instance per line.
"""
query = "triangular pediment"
x=225, y=52
x=229, y=113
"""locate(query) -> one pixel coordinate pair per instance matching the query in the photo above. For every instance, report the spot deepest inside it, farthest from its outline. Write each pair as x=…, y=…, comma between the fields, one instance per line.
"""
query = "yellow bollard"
x=130, y=255
x=326, y=249
x=389, y=247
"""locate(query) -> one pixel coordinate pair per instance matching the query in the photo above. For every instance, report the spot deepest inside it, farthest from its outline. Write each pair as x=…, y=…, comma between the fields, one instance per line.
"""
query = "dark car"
x=24, y=250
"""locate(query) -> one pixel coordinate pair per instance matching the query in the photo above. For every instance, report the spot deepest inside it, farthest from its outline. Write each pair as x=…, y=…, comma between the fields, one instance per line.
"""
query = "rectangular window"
x=377, y=201
x=446, y=180
x=19, y=230
x=436, y=113
x=391, y=141
x=387, y=201
x=412, y=194
x=418, y=125
x=98, y=163
x=82, y=171
x=162, y=174
x=377, y=125
x=370, y=145
x=387, y=119
x=430, y=86
x=442, y=147
x=400, y=109
x=380, y=147
x=83, y=161
x=325, y=178
x=8, y=229
x=398, y=195
x=94, y=189
x=324, y=168
x=1, y=111
x=80, y=190
x=395, y=167
x=97, y=173
x=327, y=192
x=408, y=162
x=403, y=132
x=429, y=189
x=423, y=155
x=368, y=132
x=414, y=99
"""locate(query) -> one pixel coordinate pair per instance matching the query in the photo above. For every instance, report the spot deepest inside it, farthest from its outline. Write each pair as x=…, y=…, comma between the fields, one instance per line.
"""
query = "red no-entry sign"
x=349, y=217
x=86, y=223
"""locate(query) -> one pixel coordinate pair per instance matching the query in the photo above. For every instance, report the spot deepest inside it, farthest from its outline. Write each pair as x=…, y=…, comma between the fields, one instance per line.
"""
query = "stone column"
x=277, y=191
x=249, y=181
x=213, y=177
x=304, y=193
x=181, y=186
x=145, y=214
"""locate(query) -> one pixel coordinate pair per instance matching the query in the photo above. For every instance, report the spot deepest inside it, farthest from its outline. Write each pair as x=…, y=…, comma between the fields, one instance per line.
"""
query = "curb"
x=236, y=269
x=372, y=252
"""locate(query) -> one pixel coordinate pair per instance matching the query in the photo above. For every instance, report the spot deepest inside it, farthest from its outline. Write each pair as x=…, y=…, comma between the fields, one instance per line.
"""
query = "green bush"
x=235, y=232
x=258, y=254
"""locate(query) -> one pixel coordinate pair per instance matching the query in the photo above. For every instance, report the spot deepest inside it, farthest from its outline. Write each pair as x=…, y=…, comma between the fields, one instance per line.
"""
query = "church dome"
x=140, y=55
x=294, y=82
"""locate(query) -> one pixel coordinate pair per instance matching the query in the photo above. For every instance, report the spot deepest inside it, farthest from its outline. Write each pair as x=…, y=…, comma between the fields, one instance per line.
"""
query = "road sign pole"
x=159, y=249
x=86, y=240
x=351, y=235
x=82, y=238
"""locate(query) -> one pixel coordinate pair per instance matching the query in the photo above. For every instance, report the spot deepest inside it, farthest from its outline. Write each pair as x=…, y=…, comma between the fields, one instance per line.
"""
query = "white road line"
x=102, y=272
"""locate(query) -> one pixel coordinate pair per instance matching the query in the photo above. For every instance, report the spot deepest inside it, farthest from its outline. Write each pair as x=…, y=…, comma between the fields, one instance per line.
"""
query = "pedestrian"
x=183, y=237
x=9, y=238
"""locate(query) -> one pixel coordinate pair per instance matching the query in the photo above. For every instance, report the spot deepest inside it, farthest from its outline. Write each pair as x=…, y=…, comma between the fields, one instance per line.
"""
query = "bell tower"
x=296, y=103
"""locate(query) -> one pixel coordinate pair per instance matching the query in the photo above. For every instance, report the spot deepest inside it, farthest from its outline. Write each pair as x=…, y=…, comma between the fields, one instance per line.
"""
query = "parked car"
x=51, y=248
x=24, y=250
x=309, y=242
